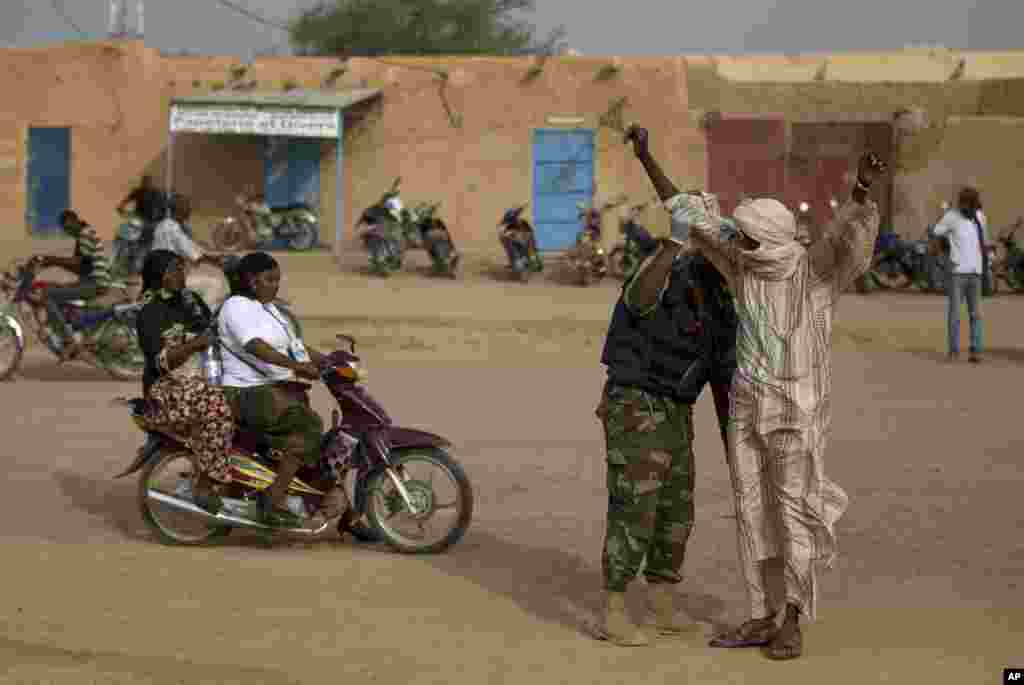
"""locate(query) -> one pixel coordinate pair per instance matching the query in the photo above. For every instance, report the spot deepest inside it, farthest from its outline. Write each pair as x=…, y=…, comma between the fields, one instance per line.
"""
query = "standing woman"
x=964, y=228
x=174, y=329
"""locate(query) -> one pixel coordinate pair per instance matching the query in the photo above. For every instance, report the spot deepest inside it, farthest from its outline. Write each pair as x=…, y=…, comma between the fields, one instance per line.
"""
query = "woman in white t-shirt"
x=964, y=227
x=262, y=358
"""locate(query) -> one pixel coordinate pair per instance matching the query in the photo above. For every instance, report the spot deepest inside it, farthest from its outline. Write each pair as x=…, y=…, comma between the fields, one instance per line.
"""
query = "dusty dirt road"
x=927, y=587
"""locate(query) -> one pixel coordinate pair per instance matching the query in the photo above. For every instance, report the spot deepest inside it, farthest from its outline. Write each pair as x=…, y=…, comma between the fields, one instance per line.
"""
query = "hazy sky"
x=594, y=26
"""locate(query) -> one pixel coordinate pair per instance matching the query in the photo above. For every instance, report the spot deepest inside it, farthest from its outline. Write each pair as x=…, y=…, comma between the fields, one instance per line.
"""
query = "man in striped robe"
x=785, y=295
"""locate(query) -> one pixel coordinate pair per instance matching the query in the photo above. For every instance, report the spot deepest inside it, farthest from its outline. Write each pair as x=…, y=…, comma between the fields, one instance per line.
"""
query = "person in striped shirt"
x=89, y=262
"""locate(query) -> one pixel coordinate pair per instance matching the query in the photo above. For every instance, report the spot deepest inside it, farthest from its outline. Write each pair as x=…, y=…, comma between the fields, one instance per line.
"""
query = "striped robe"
x=780, y=413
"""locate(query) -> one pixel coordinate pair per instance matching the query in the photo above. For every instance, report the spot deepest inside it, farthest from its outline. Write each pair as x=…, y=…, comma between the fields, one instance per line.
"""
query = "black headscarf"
x=154, y=267
x=164, y=309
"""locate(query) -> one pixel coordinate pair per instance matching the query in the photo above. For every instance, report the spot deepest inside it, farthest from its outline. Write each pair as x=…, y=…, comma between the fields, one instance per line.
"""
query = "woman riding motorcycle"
x=263, y=355
x=174, y=330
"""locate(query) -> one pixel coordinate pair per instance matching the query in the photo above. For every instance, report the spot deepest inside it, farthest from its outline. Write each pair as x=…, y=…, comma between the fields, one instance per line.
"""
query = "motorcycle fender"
x=306, y=216
x=15, y=325
x=403, y=438
x=142, y=458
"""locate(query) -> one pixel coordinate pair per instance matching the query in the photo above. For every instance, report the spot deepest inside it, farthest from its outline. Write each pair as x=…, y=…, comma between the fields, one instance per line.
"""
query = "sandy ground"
x=926, y=588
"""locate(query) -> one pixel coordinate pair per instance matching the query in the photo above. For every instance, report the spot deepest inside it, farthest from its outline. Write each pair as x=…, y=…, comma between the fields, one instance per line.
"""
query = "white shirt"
x=964, y=248
x=169, y=235
x=242, y=320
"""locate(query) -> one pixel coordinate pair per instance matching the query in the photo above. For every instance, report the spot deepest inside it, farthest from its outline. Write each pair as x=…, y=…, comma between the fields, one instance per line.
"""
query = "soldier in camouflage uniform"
x=673, y=332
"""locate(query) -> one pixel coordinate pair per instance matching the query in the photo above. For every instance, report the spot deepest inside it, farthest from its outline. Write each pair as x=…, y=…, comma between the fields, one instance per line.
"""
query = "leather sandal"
x=754, y=633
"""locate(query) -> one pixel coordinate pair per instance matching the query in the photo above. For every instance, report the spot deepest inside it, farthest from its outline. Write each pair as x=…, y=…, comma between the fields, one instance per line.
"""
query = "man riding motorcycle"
x=91, y=266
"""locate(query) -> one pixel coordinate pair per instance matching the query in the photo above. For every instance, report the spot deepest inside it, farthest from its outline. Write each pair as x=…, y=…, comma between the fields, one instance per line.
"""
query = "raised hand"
x=639, y=137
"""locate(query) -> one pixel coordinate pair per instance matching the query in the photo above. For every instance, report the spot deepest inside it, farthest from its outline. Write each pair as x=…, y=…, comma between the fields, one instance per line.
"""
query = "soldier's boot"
x=618, y=628
x=667, y=622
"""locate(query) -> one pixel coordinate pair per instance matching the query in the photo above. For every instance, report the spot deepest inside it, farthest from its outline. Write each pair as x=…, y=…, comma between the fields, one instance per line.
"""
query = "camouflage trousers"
x=650, y=485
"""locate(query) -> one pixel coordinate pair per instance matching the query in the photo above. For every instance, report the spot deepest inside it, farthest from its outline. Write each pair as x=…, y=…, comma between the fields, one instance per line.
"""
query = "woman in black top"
x=174, y=331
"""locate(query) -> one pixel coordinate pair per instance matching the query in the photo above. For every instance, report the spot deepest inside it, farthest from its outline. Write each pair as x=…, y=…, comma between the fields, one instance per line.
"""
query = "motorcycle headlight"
x=352, y=371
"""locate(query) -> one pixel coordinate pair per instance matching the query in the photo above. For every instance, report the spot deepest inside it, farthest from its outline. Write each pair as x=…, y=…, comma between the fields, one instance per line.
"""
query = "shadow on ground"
x=549, y=583
x=71, y=371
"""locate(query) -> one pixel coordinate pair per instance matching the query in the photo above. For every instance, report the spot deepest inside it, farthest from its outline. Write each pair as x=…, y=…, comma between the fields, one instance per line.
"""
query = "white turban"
x=773, y=226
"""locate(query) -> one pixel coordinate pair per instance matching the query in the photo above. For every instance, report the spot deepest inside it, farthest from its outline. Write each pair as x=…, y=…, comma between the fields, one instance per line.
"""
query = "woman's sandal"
x=756, y=632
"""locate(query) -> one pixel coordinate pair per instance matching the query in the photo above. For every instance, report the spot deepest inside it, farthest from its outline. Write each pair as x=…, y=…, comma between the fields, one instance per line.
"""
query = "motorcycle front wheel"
x=305, y=236
x=435, y=483
x=120, y=352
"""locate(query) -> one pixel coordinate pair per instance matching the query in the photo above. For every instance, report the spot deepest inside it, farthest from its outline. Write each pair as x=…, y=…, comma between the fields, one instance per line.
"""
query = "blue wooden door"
x=563, y=177
x=49, y=179
x=304, y=170
x=292, y=171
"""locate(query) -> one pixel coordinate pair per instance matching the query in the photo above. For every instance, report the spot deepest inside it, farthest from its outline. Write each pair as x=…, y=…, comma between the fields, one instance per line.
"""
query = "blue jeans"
x=968, y=288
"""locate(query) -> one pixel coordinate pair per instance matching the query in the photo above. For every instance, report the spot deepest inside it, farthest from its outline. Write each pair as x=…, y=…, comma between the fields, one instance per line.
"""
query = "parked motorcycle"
x=435, y=238
x=109, y=333
x=638, y=245
x=516, y=235
x=256, y=225
x=587, y=258
x=390, y=490
x=379, y=229
x=1008, y=260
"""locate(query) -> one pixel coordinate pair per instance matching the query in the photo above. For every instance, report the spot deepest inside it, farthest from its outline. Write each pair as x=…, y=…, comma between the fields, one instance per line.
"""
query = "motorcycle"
x=381, y=233
x=386, y=489
x=638, y=245
x=257, y=225
x=1008, y=261
x=109, y=329
x=435, y=239
x=588, y=258
x=516, y=236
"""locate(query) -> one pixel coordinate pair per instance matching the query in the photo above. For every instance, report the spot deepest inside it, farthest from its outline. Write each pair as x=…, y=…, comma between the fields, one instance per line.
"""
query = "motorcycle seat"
x=251, y=441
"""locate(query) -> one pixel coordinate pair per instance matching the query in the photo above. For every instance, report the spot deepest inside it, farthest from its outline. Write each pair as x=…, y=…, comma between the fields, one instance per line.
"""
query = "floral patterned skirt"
x=199, y=413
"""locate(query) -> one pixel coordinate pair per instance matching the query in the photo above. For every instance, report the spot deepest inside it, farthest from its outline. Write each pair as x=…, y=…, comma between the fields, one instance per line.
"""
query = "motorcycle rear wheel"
x=168, y=533
x=305, y=236
x=382, y=508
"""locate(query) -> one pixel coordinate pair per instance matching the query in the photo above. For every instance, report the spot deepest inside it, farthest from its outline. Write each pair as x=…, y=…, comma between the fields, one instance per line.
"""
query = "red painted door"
x=746, y=158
